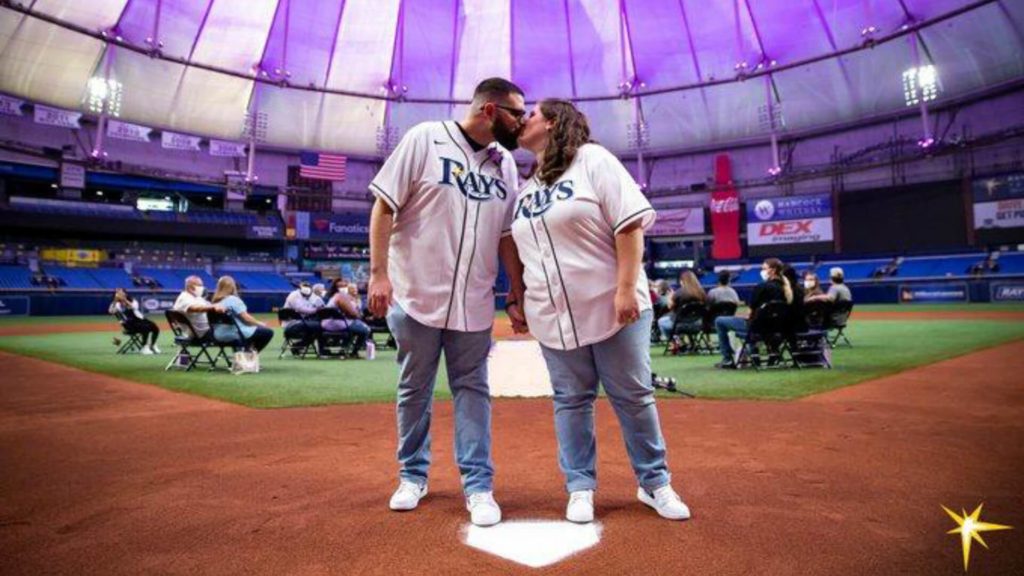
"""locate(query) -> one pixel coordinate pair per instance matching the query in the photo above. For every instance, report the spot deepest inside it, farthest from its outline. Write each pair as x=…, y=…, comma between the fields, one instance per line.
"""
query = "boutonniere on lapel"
x=494, y=155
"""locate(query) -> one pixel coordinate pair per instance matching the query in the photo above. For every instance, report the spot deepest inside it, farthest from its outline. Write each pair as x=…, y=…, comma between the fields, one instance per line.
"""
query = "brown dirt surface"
x=105, y=476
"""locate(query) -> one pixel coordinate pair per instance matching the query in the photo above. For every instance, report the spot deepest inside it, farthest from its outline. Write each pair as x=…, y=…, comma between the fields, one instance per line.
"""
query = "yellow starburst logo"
x=968, y=527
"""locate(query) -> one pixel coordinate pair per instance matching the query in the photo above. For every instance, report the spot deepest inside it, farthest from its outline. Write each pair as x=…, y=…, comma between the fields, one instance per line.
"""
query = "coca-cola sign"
x=726, y=205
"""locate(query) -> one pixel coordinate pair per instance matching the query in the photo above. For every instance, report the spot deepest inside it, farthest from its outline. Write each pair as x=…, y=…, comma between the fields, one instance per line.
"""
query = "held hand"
x=220, y=309
x=627, y=310
x=518, y=318
x=379, y=295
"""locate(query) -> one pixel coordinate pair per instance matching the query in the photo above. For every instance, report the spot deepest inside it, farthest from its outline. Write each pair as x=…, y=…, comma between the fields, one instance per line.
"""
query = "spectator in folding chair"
x=838, y=291
x=341, y=298
x=796, y=320
x=256, y=334
x=191, y=303
x=135, y=321
x=305, y=329
x=723, y=292
x=812, y=286
x=689, y=292
x=773, y=288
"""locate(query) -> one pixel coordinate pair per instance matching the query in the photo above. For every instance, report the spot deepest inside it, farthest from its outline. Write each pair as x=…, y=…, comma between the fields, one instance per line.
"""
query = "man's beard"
x=507, y=138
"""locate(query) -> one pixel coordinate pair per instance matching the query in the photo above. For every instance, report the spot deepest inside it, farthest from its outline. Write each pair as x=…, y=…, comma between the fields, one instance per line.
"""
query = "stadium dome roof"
x=352, y=75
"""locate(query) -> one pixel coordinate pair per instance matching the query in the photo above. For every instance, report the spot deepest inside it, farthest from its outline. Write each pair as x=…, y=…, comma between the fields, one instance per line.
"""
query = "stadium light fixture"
x=105, y=96
x=920, y=84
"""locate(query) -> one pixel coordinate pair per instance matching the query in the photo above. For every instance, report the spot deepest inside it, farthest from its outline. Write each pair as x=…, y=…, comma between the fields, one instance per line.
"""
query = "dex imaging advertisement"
x=789, y=220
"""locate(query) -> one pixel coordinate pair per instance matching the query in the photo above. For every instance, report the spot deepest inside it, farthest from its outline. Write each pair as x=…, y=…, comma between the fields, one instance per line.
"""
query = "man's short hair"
x=835, y=272
x=495, y=88
x=724, y=277
x=304, y=284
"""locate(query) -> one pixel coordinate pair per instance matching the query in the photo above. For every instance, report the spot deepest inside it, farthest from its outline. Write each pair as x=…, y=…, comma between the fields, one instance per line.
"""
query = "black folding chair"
x=134, y=340
x=335, y=344
x=714, y=310
x=379, y=326
x=768, y=330
x=838, y=318
x=299, y=347
x=688, y=322
x=816, y=313
x=191, y=346
x=235, y=339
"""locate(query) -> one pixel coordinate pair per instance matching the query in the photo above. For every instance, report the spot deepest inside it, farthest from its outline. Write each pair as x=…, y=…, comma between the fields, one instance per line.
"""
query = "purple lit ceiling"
x=343, y=75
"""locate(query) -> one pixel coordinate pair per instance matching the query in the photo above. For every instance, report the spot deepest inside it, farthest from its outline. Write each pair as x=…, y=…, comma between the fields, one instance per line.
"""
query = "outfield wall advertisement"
x=789, y=220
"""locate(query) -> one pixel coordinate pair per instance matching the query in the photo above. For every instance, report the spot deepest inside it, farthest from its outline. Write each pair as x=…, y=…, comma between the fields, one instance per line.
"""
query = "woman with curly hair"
x=579, y=224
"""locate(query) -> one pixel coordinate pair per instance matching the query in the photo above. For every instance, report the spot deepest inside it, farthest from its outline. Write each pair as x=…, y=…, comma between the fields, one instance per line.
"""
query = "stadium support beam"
x=101, y=125
x=928, y=139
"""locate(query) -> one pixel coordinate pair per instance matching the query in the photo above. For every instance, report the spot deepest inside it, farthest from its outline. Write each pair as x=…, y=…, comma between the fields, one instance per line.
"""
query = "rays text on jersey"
x=474, y=186
x=540, y=201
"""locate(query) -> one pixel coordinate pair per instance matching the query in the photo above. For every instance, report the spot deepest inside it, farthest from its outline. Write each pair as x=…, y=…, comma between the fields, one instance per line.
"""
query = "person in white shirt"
x=192, y=304
x=135, y=321
x=441, y=217
x=303, y=301
x=579, y=225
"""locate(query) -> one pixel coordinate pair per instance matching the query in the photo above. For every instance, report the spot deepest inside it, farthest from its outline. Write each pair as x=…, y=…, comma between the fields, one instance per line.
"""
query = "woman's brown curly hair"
x=569, y=132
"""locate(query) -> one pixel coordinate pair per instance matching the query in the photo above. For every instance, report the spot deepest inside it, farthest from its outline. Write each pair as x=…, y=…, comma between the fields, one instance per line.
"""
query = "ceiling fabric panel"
x=343, y=69
x=484, y=44
x=44, y=62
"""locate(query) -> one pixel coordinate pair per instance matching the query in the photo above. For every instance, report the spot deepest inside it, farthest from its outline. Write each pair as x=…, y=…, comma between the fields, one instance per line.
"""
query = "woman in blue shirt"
x=257, y=335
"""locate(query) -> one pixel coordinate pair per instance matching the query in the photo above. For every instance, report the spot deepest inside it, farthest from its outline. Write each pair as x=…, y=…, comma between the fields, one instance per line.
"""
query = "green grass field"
x=880, y=348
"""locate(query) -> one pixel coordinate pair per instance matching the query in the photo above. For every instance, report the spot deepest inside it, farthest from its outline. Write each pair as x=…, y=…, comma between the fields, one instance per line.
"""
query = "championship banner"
x=999, y=202
x=57, y=117
x=725, y=213
x=175, y=141
x=227, y=149
x=10, y=106
x=127, y=131
x=789, y=220
x=928, y=293
x=678, y=222
x=72, y=175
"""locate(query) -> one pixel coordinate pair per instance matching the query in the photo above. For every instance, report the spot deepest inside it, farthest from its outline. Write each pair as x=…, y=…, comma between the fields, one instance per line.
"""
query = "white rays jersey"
x=452, y=206
x=565, y=234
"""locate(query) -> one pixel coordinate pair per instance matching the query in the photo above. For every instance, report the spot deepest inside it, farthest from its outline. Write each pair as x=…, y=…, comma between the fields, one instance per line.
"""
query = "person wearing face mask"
x=440, y=221
x=306, y=303
x=812, y=286
x=774, y=287
x=192, y=304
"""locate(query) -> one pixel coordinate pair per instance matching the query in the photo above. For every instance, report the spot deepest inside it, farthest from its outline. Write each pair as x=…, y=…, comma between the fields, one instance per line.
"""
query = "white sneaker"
x=666, y=502
x=408, y=496
x=581, y=507
x=155, y=349
x=483, y=510
x=146, y=351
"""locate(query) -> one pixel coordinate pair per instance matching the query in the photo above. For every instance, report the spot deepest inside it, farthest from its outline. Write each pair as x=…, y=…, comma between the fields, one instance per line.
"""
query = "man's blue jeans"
x=465, y=353
x=724, y=325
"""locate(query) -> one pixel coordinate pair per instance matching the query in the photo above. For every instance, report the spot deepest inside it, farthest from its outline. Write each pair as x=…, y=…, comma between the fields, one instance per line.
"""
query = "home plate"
x=517, y=368
x=534, y=543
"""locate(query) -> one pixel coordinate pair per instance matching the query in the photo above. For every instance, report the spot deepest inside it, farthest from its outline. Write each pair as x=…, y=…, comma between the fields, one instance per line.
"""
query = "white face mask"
x=305, y=291
x=197, y=291
x=808, y=284
x=764, y=275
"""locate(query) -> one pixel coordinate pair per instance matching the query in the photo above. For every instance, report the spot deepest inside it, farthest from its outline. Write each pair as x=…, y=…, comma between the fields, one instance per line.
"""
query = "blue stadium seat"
x=15, y=277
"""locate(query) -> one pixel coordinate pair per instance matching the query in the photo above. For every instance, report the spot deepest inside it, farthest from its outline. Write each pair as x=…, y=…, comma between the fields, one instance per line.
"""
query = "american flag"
x=322, y=166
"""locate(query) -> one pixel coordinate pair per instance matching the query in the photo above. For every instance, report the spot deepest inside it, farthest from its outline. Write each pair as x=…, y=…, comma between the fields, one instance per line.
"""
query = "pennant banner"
x=57, y=117
x=126, y=131
x=175, y=141
x=229, y=149
x=10, y=106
